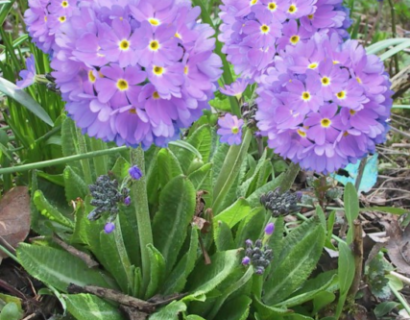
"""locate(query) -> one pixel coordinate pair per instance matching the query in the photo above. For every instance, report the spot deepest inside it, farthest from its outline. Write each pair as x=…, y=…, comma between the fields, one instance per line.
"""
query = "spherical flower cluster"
x=133, y=72
x=253, y=31
x=323, y=105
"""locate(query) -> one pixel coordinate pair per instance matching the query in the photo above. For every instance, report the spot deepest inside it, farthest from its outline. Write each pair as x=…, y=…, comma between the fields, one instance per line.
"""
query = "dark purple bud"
x=259, y=270
x=135, y=172
x=249, y=243
x=246, y=261
x=127, y=201
x=270, y=227
x=109, y=227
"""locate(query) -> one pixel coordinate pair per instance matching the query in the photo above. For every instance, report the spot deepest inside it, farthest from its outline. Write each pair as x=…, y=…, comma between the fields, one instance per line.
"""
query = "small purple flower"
x=235, y=89
x=135, y=172
x=246, y=261
x=27, y=75
x=230, y=129
x=109, y=227
x=249, y=243
x=270, y=228
x=127, y=201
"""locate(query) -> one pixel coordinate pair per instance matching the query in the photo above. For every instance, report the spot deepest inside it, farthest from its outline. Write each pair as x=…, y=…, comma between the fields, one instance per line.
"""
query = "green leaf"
x=58, y=268
x=75, y=186
x=169, y=312
x=389, y=53
x=384, y=308
x=187, y=146
x=267, y=312
x=251, y=227
x=176, y=210
x=296, y=316
x=168, y=166
x=223, y=237
x=249, y=186
x=202, y=180
x=114, y=258
x=120, y=169
x=392, y=210
x=178, y=278
x=157, y=270
x=346, y=270
x=69, y=142
x=194, y=317
x=90, y=307
x=235, y=309
x=378, y=46
x=50, y=211
x=11, y=312
x=234, y=214
x=11, y=90
x=322, y=300
x=295, y=267
x=218, y=160
x=351, y=202
x=207, y=277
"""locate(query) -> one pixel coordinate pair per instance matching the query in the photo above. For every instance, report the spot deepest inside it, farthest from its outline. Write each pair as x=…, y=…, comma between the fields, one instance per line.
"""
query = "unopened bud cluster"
x=106, y=197
x=281, y=204
x=258, y=255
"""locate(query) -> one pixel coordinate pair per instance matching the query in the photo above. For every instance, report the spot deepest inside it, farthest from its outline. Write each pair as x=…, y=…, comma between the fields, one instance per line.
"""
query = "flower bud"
x=270, y=227
x=135, y=172
x=109, y=227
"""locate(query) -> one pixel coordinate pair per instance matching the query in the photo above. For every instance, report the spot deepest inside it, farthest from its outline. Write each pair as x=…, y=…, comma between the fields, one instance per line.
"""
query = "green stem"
x=47, y=135
x=54, y=162
x=290, y=177
x=393, y=22
x=100, y=164
x=139, y=195
x=400, y=298
x=85, y=164
x=230, y=170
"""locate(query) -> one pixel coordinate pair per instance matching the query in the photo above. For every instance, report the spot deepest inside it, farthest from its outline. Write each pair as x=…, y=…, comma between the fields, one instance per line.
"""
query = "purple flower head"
x=133, y=72
x=270, y=228
x=109, y=227
x=324, y=104
x=135, y=172
x=127, y=201
x=230, y=129
x=28, y=75
x=236, y=89
x=246, y=261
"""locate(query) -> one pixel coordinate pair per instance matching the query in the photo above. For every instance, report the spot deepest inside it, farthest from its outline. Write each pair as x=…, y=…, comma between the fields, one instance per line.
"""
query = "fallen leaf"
x=14, y=216
x=398, y=247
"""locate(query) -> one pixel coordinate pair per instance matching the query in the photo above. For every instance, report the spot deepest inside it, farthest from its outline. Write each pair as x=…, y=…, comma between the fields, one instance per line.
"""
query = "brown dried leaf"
x=398, y=247
x=14, y=216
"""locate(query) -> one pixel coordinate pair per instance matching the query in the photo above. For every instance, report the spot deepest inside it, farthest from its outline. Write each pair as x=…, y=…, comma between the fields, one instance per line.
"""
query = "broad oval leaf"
x=14, y=92
x=58, y=268
x=90, y=307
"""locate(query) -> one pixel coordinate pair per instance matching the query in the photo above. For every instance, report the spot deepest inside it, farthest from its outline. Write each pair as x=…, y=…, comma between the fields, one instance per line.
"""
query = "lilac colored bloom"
x=133, y=72
x=127, y=201
x=230, y=129
x=270, y=228
x=109, y=227
x=324, y=104
x=28, y=75
x=246, y=261
x=135, y=172
x=235, y=89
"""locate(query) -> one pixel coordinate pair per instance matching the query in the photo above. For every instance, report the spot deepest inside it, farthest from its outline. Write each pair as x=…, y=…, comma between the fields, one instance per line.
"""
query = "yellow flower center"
x=294, y=39
x=122, y=84
x=155, y=95
x=64, y=4
x=359, y=80
x=272, y=6
x=325, y=123
x=62, y=19
x=133, y=111
x=186, y=69
x=352, y=112
x=292, y=9
x=306, y=96
x=45, y=18
x=154, y=21
x=313, y=65
x=265, y=29
x=177, y=35
x=91, y=76
x=253, y=2
x=325, y=81
x=335, y=62
x=235, y=130
x=310, y=16
x=154, y=45
x=124, y=45
x=345, y=134
x=301, y=133
x=341, y=95
x=158, y=71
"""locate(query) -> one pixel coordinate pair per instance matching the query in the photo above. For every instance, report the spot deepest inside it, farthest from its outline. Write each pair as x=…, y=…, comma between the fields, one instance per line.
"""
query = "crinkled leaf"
x=90, y=307
x=75, y=186
x=169, y=312
x=157, y=270
x=235, y=309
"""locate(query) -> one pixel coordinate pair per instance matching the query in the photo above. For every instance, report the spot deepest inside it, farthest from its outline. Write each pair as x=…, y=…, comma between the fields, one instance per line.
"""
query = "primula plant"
x=183, y=131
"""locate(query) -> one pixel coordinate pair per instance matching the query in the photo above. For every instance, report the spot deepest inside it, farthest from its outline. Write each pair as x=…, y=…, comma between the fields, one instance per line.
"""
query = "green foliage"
x=90, y=307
